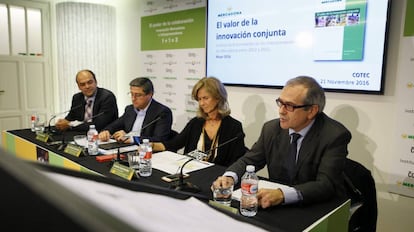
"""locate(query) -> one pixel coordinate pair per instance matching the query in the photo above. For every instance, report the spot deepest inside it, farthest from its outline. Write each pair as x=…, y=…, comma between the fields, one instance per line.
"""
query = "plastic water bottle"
x=145, y=155
x=249, y=187
x=33, y=119
x=92, y=140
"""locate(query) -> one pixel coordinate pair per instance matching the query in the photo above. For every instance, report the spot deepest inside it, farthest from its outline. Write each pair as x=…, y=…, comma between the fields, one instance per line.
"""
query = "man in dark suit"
x=144, y=118
x=319, y=160
x=92, y=105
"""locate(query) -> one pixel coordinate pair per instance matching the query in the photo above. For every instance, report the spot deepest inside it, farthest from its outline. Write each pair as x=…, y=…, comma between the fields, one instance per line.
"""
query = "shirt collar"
x=304, y=131
x=91, y=97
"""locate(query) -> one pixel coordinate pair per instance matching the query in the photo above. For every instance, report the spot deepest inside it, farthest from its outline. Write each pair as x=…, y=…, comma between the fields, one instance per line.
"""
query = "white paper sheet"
x=262, y=184
x=152, y=212
x=171, y=162
x=83, y=143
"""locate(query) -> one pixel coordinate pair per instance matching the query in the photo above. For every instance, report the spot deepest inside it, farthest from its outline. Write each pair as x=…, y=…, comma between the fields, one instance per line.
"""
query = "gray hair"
x=145, y=83
x=315, y=95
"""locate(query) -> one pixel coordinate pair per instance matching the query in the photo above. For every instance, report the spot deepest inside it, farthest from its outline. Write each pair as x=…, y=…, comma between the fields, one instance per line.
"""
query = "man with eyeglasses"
x=144, y=118
x=92, y=105
x=310, y=167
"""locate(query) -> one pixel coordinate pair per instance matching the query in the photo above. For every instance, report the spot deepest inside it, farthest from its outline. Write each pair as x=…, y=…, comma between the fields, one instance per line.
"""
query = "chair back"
x=361, y=190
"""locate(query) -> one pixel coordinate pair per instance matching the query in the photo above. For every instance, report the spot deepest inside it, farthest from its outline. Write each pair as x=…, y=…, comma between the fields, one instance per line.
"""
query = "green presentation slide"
x=177, y=30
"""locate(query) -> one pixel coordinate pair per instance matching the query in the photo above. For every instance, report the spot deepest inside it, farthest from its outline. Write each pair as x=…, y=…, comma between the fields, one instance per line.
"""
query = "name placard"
x=42, y=136
x=225, y=207
x=122, y=171
x=73, y=149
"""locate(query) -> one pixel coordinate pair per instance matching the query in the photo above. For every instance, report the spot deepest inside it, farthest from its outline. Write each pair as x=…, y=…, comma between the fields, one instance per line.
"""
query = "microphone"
x=180, y=185
x=138, y=132
x=198, y=155
x=95, y=116
x=57, y=114
x=238, y=136
x=63, y=143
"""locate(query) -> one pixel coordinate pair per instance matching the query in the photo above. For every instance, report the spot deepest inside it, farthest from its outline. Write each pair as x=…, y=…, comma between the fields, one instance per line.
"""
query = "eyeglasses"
x=290, y=107
x=136, y=95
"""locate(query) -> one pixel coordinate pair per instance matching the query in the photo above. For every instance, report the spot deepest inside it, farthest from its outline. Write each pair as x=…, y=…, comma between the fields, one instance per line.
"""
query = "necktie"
x=291, y=160
x=88, y=111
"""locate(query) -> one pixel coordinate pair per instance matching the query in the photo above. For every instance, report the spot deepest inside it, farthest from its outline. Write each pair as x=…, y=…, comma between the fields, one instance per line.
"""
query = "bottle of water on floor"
x=92, y=140
x=249, y=187
x=145, y=155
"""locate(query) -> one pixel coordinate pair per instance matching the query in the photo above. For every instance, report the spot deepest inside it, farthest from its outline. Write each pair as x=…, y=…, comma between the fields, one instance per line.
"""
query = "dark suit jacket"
x=104, y=105
x=229, y=129
x=320, y=162
x=157, y=123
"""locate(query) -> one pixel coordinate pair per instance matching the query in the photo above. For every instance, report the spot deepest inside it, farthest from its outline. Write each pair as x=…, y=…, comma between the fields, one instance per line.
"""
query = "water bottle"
x=33, y=119
x=249, y=187
x=145, y=155
x=92, y=140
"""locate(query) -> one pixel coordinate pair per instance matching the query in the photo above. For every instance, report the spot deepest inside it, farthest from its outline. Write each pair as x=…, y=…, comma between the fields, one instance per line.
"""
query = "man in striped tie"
x=92, y=105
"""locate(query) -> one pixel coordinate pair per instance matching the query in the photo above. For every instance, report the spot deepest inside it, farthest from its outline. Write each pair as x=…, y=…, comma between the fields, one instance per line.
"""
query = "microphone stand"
x=180, y=185
x=118, y=155
x=63, y=144
x=49, y=130
x=135, y=133
x=196, y=155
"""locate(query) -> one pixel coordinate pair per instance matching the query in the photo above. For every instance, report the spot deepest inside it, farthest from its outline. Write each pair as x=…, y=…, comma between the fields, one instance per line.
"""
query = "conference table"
x=327, y=216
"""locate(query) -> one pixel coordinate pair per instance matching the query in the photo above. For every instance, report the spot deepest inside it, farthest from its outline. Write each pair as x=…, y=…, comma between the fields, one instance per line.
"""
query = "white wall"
x=370, y=118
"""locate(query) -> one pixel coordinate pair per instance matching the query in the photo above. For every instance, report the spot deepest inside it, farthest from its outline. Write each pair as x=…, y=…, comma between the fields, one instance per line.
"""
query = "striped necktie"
x=88, y=110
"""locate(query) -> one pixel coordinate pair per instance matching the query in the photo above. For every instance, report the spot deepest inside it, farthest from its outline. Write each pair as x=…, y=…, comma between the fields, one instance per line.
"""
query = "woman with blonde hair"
x=213, y=130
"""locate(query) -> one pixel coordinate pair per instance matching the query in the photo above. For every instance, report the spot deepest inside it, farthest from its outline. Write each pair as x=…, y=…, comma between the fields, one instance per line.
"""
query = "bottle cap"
x=92, y=126
x=250, y=168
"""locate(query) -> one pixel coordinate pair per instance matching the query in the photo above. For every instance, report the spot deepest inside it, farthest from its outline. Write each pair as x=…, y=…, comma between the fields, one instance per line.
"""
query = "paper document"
x=262, y=184
x=171, y=162
x=161, y=212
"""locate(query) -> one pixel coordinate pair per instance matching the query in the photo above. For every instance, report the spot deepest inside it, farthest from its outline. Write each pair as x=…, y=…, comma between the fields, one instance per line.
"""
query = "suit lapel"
x=129, y=121
x=96, y=104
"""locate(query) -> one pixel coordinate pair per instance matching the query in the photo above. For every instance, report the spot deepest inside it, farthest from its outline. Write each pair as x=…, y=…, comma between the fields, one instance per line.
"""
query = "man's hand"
x=120, y=137
x=223, y=181
x=270, y=197
x=104, y=136
x=62, y=124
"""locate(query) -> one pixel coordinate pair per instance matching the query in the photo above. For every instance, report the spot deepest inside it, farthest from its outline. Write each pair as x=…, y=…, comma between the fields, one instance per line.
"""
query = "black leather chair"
x=361, y=190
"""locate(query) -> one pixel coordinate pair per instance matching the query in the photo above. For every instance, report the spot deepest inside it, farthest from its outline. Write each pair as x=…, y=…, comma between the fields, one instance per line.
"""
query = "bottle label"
x=249, y=188
x=148, y=155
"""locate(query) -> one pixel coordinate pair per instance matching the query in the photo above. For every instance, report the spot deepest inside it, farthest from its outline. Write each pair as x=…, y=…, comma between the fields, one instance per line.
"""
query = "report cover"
x=340, y=29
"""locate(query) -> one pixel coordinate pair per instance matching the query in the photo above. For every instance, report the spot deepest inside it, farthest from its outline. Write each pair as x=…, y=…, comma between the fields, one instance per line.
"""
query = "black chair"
x=172, y=134
x=361, y=190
